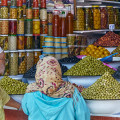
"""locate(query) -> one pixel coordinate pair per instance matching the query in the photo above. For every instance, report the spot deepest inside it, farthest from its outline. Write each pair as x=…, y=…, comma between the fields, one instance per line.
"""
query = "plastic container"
x=12, y=26
x=57, y=39
x=63, y=44
x=49, y=54
x=19, y=13
x=48, y=49
x=13, y=12
x=43, y=14
x=58, y=56
x=48, y=43
x=30, y=59
x=13, y=63
x=20, y=26
x=37, y=53
x=36, y=42
x=4, y=12
x=36, y=13
x=57, y=44
x=49, y=38
x=58, y=49
x=21, y=61
x=79, y=23
x=4, y=26
x=42, y=37
x=29, y=13
x=12, y=42
x=4, y=42
x=70, y=39
x=36, y=26
x=28, y=41
x=63, y=39
x=20, y=42
x=64, y=49
x=63, y=55
x=43, y=27
x=28, y=26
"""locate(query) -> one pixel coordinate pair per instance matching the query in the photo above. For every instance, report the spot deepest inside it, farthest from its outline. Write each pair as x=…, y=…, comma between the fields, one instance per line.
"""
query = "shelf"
x=16, y=77
x=94, y=31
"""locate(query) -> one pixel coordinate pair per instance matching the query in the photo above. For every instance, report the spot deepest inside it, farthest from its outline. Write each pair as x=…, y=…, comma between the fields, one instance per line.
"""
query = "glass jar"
x=49, y=16
x=20, y=26
x=96, y=18
x=117, y=17
x=42, y=37
x=37, y=53
x=50, y=29
x=43, y=27
x=4, y=12
x=12, y=26
x=43, y=14
x=4, y=42
x=13, y=12
x=19, y=13
x=88, y=18
x=4, y=26
x=28, y=41
x=12, y=42
x=29, y=13
x=36, y=13
x=6, y=73
x=111, y=19
x=21, y=62
x=104, y=17
x=30, y=59
x=13, y=63
x=70, y=39
x=36, y=26
x=79, y=23
x=28, y=26
x=36, y=42
x=20, y=42
x=24, y=9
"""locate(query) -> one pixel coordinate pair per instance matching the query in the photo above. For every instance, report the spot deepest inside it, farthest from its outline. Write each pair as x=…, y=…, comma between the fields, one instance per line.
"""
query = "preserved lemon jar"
x=4, y=12
x=117, y=17
x=88, y=18
x=104, y=17
x=110, y=15
x=21, y=62
x=13, y=63
x=96, y=18
x=79, y=23
x=36, y=26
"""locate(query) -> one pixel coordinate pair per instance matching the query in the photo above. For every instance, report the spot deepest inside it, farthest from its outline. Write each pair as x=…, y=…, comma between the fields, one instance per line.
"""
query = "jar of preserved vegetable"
x=4, y=26
x=43, y=14
x=4, y=42
x=12, y=42
x=29, y=13
x=9, y=4
x=64, y=39
x=13, y=63
x=42, y=37
x=57, y=39
x=6, y=73
x=36, y=13
x=37, y=53
x=50, y=29
x=12, y=26
x=49, y=16
x=58, y=49
x=117, y=17
x=13, y=12
x=36, y=41
x=96, y=18
x=64, y=49
x=24, y=9
x=58, y=56
x=79, y=23
x=13, y=2
x=4, y=12
x=20, y=42
x=110, y=15
x=30, y=59
x=21, y=62
x=48, y=49
x=19, y=13
x=88, y=18
x=36, y=26
x=20, y=26
x=70, y=39
x=43, y=27
x=104, y=17
x=28, y=26
x=28, y=41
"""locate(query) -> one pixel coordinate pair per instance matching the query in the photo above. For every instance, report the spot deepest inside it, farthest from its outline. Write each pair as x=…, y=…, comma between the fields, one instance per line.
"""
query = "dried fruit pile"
x=117, y=50
x=89, y=66
x=106, y=87
x=109, y=39
x=97, y=52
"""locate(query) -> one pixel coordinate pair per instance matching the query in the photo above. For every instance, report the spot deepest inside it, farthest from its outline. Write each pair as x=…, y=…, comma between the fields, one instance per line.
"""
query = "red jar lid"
x=4, y=3
x=19, y=3
x=35, y=3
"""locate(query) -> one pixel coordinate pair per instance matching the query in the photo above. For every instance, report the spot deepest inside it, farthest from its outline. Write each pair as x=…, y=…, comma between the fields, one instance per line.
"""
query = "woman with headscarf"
x=51, y=98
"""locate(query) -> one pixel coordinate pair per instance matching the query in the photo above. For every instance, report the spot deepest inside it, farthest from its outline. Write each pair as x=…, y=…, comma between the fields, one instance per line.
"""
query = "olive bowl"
x=103, y=107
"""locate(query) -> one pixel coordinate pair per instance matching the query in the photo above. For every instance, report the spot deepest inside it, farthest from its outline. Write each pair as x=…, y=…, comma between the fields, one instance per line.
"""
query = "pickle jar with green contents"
x=79, y=22
x=6, y=73
x=70, y=39
x=28, y=26
x=104, y=17
x=96, y=18
x=88, y=18
x=117, y=17
x=28, y=41
x=110, y=15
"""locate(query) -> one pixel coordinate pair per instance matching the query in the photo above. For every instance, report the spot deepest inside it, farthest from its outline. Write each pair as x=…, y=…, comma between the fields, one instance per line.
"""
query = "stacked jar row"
x=96, y=17
x=20, y=61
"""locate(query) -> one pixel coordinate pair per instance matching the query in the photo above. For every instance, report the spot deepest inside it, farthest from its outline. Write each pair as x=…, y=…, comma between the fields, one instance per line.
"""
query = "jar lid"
x=43, y=9
x=58, y=53
x=13, y=19
x=48, y=46
x=4, y=6
x=63, y=37
x=20, y=34
x=24, y=3
x=49, y=23
x=21, y=51
x=12, y=35
x=49, y=41
x=28, y=19
x=70, y=35
x=43, y=34
x=37, y=50
x=20, y=19
x=28, y=8
x=64, y=52
x=35, y=8
x=56, y=37
x=36, y=35
x=28, y=34
x=58, y=47
x=49, y=36
x=110, y=6
x=13, y=7
x=48, y=53
x=29, y=50
x=4, y=35
x=36, y=19
x=95, y=6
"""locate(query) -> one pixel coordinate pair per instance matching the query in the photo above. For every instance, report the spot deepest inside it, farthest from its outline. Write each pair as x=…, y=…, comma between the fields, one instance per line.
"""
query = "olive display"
x=89, y=66
x=117, y=50
x=105, y=88
x=12, y=86
x=72, y=59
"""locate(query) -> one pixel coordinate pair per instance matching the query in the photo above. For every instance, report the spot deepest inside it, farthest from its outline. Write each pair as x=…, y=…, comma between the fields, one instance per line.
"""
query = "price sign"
x=111, y=27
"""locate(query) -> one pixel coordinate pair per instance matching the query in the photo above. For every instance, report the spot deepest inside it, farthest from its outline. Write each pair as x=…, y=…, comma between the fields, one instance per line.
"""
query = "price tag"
x=111, y=27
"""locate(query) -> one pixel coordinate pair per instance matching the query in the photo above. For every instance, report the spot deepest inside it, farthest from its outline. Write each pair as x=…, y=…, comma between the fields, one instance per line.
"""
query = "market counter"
x=19, y=115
